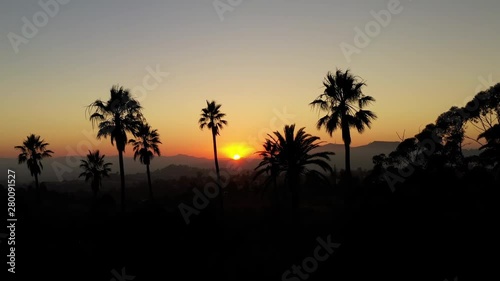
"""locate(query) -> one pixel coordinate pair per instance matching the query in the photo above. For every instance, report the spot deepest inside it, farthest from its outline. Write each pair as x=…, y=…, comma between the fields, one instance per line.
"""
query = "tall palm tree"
x=115, y=117
x=33, y=151
x=344, y=102
x=212, y=118
x=291, y=154
x=145, y=147
x=94, y=169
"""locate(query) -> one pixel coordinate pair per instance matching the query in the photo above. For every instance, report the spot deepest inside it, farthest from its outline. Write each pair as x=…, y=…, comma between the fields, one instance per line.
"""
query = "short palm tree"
x=94, y=169
x=269, y=163
x=291, y=153
x=270, y=166
x=33, y=151
x=145, y=147
x=344, y=103
x=115, y=117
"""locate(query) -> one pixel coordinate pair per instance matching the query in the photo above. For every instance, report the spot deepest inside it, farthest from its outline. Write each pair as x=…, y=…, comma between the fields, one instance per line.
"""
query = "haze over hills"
x=167, y=167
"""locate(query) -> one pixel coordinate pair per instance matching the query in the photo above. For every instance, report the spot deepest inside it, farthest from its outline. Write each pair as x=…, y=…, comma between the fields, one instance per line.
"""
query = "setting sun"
x=237, y=150
x=276, y=129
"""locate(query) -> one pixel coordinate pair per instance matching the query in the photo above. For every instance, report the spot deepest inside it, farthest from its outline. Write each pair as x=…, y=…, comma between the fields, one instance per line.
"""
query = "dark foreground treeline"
x=431, y=225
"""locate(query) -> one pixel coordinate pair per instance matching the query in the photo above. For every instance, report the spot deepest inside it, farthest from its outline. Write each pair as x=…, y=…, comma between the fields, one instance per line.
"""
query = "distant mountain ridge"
x=61, y=168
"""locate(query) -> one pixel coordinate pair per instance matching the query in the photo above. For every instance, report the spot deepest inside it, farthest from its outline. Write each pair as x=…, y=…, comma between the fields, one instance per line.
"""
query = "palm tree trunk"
x=215, y=156
x=295, y=203
x=95, y=187
x=149, y=183
x=217, y=166
x=221, y=236
x=37, y=189
x=219, y=185
x=347, y=160
x=275, y=199
x=346, y=137
x=122, y=179
x=292, y=182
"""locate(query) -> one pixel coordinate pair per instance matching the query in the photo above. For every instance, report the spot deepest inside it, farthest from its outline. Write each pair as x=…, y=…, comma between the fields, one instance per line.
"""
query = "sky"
x=264, y=61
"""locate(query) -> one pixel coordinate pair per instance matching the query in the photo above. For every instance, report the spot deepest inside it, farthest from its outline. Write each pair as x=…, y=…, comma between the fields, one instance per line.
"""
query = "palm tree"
x=269, y=163
x=270, y=166
x=211, y=117
x=344, y=103
x=33, y=151
x=145, y=147
x=292, y=155
x=94, y=169
x=115, y=117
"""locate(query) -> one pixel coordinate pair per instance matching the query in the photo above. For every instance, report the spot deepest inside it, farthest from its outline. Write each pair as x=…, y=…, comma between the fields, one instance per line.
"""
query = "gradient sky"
x=263, y=57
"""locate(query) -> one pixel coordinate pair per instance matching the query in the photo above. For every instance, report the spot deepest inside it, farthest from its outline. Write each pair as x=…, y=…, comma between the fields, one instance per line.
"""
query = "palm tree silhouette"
x=115, y=117
x=33, y=151
x=145, y=147
x=211, y=117
x=292, y=155
x=94, y=169
x=344, y=103
x=269, y=163
x=270, y=166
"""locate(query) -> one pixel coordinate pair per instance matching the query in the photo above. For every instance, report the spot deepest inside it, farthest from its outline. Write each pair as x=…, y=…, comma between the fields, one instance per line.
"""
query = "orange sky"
x=262, y=59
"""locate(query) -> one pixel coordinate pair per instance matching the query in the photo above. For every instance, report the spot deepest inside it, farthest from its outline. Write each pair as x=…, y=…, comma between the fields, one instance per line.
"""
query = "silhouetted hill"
x=63, y=168
x=361, y=156
x=170, y=167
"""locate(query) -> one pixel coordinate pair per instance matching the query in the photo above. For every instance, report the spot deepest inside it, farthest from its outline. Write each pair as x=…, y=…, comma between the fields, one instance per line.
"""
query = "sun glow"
x=237, y=151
